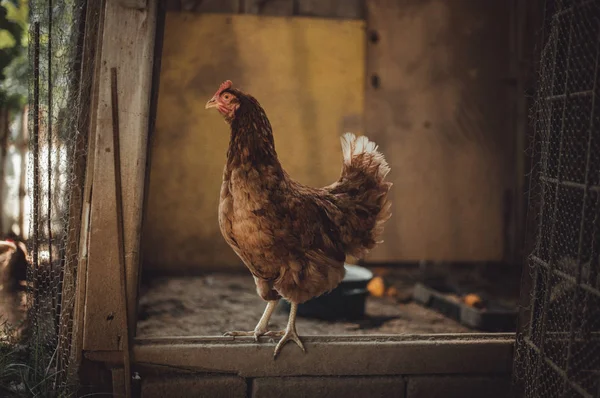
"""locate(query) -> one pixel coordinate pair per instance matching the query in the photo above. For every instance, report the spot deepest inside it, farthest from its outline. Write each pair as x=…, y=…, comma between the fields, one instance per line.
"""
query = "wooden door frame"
x=130, y=41
x=104, y=316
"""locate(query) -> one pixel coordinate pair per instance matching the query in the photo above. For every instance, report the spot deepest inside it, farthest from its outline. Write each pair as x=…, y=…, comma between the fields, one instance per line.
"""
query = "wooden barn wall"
x=430, y=80
x=438, y=103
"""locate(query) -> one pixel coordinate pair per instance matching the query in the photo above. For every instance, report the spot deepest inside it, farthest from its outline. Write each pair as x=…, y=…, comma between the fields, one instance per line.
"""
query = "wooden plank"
x=273, y=7
x=82, y=87
x=333, y=356
x=119, y=207
x=158, y=48
x=94, y=379
x=135, y=4
x=119, y=384
x=134, y=119
x=431, y=67
x=128, y=45
x=92, y=48
x=345, y=9
x=110, y=358
x=172, y=5
x=211, y=6
x=342, y=9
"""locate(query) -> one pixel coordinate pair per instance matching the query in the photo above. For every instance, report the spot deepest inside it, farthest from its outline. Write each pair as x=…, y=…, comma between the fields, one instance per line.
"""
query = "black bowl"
x=346, y=301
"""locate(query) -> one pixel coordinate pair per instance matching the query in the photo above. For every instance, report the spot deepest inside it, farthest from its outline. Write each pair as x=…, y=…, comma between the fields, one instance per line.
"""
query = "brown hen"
x=294, y=239
x=13, y=264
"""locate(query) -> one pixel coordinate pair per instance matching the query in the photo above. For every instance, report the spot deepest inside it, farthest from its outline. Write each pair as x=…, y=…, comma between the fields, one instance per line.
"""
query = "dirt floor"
x=212, y=304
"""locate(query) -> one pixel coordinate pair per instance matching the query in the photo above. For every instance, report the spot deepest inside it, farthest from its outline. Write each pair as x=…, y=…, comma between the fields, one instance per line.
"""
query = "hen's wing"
x=308, y=241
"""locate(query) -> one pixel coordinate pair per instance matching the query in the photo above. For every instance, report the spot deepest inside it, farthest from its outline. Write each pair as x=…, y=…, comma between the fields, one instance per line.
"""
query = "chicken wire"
x=558, y=350
x=57, y=150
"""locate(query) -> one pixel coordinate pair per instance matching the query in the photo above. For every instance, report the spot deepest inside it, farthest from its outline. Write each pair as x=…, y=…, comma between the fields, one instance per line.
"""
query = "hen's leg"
x=261, y=327
x=290, y=332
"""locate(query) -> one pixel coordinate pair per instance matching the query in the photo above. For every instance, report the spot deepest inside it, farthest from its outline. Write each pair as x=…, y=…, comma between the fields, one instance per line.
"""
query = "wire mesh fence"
x=558, y=350
x=57, y=151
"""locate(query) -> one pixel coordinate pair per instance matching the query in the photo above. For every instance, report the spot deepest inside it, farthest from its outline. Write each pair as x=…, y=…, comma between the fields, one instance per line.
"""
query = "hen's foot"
x=253, y=333
x=277, y=333
x=289, y=334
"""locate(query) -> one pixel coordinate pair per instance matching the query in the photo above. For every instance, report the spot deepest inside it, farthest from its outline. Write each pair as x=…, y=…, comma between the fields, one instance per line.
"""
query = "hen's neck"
x=251, y=141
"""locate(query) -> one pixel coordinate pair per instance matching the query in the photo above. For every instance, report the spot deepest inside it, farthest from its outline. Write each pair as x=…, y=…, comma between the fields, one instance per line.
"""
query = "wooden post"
x=127, y=46
x=78, y=235
x=82, y=87
x=134, y=4
x=120, y=243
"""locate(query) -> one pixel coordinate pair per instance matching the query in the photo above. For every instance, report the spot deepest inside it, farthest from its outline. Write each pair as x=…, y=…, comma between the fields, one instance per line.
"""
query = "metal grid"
x=57, y=149
x=558, y=351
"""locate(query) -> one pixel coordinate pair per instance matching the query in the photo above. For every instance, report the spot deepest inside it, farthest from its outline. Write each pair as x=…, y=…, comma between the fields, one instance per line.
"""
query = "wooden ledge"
x=331, y=355
x=135, y=4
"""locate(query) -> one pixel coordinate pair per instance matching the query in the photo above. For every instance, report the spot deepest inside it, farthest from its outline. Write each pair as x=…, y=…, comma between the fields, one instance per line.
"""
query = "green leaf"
x=7, y=40
x=17, y=11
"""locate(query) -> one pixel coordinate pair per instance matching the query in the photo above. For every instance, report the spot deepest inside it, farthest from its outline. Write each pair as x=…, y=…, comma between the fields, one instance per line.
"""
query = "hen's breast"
x=246, y=221
x=250, y=198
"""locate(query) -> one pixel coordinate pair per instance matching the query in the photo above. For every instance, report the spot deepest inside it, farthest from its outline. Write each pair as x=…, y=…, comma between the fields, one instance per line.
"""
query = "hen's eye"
x=226, y=96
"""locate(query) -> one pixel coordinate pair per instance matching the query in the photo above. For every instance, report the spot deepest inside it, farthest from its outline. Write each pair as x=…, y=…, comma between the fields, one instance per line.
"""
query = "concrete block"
x=328, y=387
x=193, y=386
x=458, y=387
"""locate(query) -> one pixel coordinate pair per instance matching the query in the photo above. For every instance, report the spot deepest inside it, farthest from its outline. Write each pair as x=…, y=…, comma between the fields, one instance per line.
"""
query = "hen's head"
x=226, y=100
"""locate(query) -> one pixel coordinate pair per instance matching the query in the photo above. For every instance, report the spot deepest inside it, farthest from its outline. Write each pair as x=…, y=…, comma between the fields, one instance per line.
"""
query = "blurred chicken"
x=13, y=263
x=294, y=239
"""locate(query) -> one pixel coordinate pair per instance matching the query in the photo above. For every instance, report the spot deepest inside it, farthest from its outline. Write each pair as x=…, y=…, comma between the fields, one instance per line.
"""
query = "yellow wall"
x=309, y=76
x=443, y=115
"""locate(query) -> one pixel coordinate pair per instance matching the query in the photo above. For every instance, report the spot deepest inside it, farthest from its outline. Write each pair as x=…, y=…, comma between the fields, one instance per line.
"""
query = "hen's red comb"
x=224, y=86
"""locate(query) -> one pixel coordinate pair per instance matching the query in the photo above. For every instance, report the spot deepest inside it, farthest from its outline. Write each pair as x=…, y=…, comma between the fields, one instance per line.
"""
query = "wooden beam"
x=91, y=51
x=172, y=5
x=110, y=358
x=82, y=85
x=120, y=244
x=119, y=381
x=273, y=7
x=342, y=9
x=332, y=355
x=128, y=45
x=134, y=4
x=211, y=6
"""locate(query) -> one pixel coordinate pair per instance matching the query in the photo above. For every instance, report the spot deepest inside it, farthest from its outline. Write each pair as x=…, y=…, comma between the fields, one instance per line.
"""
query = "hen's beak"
x=212, y=103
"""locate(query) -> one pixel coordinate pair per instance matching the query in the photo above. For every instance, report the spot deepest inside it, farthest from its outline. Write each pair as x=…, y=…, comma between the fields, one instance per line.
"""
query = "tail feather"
x=362, y=183
x=359, y=151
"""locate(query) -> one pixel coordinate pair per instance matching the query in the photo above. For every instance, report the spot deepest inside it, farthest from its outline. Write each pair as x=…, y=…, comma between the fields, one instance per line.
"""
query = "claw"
x=288, y=335
x=237, y=333
x=253, y=333
x=278, y=333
